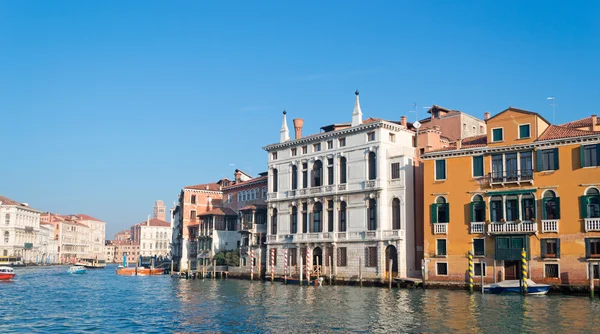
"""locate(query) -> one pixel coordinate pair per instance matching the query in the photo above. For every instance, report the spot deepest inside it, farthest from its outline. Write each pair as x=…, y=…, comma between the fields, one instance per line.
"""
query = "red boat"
x=6, y=273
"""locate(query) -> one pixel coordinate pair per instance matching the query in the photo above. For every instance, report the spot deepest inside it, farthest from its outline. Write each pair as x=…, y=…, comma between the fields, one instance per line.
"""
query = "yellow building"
x=525, y=184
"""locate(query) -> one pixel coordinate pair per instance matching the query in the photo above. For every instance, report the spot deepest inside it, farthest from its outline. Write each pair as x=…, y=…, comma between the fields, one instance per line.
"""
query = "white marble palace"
x=346, y=194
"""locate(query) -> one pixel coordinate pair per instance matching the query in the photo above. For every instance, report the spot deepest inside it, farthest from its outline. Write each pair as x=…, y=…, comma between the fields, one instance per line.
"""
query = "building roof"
x=205, y=186
x=219, y=212
x=474, y=141
x=82, y=216
x=522, y=111
x=558, y=132
x=243, y=183
x=254, y=207
x=155, y=222
x=581, y=122
x=8, y=201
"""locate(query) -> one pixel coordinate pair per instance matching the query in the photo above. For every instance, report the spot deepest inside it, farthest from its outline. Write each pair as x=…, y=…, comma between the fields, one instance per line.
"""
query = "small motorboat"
x=140, y=271
x=76, y=270
x=6, y=273
x=514, y=286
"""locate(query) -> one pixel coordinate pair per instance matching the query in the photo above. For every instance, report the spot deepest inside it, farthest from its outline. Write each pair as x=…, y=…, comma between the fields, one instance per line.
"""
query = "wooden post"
x=214, y=269
x=272, y=265
x=424, y=272
x=260, y=265
x=136, y=268
x=591, y=277
x=301, y=269
x=330, y=269
x=252, y=264
x=470, y=272
x=360, y=271
x=482, y=276
x=524, y=268
x=171, y=268
x=495, y=273
x=189, y=269
x=390, y=273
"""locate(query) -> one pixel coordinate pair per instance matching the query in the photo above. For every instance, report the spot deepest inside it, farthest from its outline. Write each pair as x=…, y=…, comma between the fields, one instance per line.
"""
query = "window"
x=7, y=219
x=293, y=256
x=477, y=269
x=371, y=136
x=330, y=177
x=392, y=137
x=264, y=192
x=341, y=257
x=294, y=220
x=440, y=247
x=512, y=208
x=550, y=248
x=343, y=170
x=294, y=177
x=478, y=209
x=330, y=216
x=342, y=227
x=304, y=175
x=441, y=268
x=592, y=248
x=479, y=247
x=440, y=211
x=304, y=149
x=372, y=166
x=440, y=169
x=474, y=130
x=193, y=215
x=547, y=159
x=329, y=144
x=193, y=199
x=317, y=147
x=342, y=142
x=275, y=178
x=372, y=210
x=497, y=134
x=229, y=198
x=550, y=205
x=590, y=204
x=395, y=170
x=274, y=156
x=317, y=174
x=464, y=127
x=551, y=270
x=478, y=166
x=274, y=222
x=6, y=236
x=304, y=218
x=496, y=209
x=524, y=131
x=590, y=155
x=528, y=207
x=294, y=152
x=371, y=257
x=317, y=212
x=481, y=129
x=396, y=214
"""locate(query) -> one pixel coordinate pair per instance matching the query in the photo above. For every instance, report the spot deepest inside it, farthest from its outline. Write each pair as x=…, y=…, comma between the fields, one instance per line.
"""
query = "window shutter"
x=581, y=156
x=557, y=201
x=447, y=212
x=472, y=211
x=544, y=202
x=556, y=158
x=557, y=248
x=587, y=248
x=583, y=200
x=544, y=251
x=535, y=208
x=597, y=154
x=538, y=161
x=434, y=213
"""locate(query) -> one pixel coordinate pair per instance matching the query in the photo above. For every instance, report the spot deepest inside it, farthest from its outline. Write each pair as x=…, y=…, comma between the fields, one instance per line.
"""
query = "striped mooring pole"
x=252, y=264
x=524, y=269
x=285, y=264
x=272, y=264
x=470, y=272
x=308, y=265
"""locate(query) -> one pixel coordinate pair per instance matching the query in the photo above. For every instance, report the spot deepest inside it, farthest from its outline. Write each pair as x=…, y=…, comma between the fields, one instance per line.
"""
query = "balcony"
x=392, y=234
x=244, y=250
x=316, y=190
x=513, y=227
x=477, y=228
x=549, y=225
x=341, y=235
x=341, y=187
x=513, y=176
x=291, y=193
x=440, y=228
x=271, y=238
x=369, y=184
x=271, y=196
x=592, y=224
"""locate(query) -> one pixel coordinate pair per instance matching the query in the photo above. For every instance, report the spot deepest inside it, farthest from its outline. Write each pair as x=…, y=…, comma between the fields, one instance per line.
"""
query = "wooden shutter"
x=472, y=211
x=598, y=156
x=434, y=218
x=447, y=205
x=557, y=202
x=556, y=158
x=583, y=201
x=581, y=156
x=538, y=161
x=588, y=247
x=544, y=248
x=544, y=201
x=557, y=248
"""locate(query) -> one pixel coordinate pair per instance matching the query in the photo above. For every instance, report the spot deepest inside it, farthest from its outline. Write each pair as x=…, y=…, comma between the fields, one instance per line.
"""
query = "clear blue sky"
x=107, y=106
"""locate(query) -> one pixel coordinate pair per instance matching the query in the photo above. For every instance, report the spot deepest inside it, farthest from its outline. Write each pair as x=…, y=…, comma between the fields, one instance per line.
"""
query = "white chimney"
x=284, y=132
x=357, y=113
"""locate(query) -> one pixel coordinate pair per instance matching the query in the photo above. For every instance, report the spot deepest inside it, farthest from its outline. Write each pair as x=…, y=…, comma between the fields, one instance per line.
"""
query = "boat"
x=296, y=281
x=76, y=270
x=140, y=271
x=514, y=286
x=91, y=263
x=6, y=273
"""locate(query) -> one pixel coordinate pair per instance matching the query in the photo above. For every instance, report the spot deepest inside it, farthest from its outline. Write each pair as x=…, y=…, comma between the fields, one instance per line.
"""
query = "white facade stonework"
x=19, y=230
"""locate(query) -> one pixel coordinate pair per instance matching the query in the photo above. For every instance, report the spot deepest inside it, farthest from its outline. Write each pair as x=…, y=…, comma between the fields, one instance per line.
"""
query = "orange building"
x=524, y=184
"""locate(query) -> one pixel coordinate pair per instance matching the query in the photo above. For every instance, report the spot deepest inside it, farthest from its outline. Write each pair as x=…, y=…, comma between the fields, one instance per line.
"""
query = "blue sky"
x=107, y=106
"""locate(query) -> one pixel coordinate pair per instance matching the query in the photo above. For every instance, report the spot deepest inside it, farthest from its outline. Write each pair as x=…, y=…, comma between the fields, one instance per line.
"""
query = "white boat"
x=514, y=286
x=6, y=273
x=76, y=270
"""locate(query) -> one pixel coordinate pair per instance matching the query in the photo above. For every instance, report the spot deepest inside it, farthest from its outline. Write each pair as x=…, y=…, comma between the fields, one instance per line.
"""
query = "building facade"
x=153, y=236
x=346, y=196
x=126, y=249
x=109, y=251
x=48, y=251
x=97, y=235
x=160, y=210
x=523, y=185
x=19, y=230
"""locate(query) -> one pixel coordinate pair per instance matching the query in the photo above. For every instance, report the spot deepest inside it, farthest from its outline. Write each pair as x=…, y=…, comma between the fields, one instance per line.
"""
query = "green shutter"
x=557, y=248
x=535, y=208
x=557, y=201
x=447, y=212
x=538, y=161
x=556, y=158
x=544, y=201
x=434, y=213
x=583, y=201
x=581, y=156
x=588, y=250
x=598, y=156
x=478, y=166
x=472, y=206
x=543, y=243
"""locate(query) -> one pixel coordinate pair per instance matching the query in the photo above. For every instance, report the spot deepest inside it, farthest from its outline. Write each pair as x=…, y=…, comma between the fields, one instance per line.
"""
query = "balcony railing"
x=513, y=227
x=549, y=225
x=393, y=234
x=592, y=224
x=315, y=190
x=271, y=237
x=292, y=193
x=477, y=227
x=524, y=175
x=341, y=235
x=440, y=228
x=271, y=196
x=341, y=187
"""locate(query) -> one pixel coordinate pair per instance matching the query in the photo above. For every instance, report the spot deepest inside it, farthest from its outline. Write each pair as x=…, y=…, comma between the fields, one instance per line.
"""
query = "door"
x=511, y=270
x=391, y=254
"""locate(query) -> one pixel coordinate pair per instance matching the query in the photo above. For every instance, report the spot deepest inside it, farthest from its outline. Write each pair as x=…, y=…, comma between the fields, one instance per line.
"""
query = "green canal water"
x=48, y=300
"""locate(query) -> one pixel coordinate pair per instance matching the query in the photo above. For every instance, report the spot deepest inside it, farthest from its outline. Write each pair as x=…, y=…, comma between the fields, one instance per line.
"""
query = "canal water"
x=47, y=299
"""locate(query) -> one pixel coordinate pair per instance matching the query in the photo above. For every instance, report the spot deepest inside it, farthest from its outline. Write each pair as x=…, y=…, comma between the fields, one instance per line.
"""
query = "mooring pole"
x=470, y=272
x=524, y=268
x=591, y=276
x=482, y=274
x=330, y=270
x=390, y=273
x=360, y=271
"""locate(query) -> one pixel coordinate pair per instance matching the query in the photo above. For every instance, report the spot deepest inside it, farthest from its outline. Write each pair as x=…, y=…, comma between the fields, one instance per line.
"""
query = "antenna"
x=553, y=104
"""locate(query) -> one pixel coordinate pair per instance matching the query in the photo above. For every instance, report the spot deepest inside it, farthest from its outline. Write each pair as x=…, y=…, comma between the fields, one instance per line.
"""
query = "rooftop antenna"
x=553, y=104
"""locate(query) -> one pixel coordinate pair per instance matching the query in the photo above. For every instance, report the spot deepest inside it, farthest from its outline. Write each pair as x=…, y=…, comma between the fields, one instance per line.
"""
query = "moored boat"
x=76, y=270
x=91, y=263
x=140, y=271
x=6, y=273
x=514, y=286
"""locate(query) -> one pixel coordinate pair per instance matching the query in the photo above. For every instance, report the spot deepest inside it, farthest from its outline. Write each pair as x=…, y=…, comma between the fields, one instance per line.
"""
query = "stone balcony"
x=477, y=228
x=440, y=228
x=513, y=227
x=549, y=225
x=334, y=236
x=592, y=224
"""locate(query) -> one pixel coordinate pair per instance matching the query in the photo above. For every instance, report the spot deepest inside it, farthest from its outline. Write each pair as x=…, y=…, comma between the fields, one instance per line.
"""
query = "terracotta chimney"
x=458, y=144
x=486, y=115
x=238, y=176
x=595, y=125
x=298, y=123
x=403, y=121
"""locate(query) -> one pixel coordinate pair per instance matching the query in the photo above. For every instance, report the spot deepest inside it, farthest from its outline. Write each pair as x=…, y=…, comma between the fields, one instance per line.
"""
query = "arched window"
x=275, y=177
x=372, y=210
x=343, y=170
x=528, y=207
x=342, y=226
x=274, y=222
x=477, y=209
x=193, y=199
x=396, y=214
x=6, y=236
x=550, y=205
x=256, y=193
x=7, y=219
x=496, y=209
x=317, y=174
x=372, y=166
x=294, y=177
x=440, y=211
x=294, y=220
x=317, y=217
x=590, y=204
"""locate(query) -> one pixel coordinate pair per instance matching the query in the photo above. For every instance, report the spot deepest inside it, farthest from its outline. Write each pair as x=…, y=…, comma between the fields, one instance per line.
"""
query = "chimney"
x=403, y=121
x=25, y=204
x=298, y=123
x=595, y=125
x=357, y=113
x=237, y=176
x=486, y=115
x=284, y=132
x=458, y=144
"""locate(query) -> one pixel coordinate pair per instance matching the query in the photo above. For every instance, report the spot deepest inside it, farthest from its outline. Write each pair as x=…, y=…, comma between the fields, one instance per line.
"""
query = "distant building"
x=48, y=251
x=127, y=248
x=153, y=236
x=123, y=235
x=97, y=235
x=73, y=237
x=159, y=210
x=19, y=230
x=109, y=251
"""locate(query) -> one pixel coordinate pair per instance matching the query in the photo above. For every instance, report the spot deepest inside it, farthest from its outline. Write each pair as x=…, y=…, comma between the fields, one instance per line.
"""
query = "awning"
x=511, y=192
